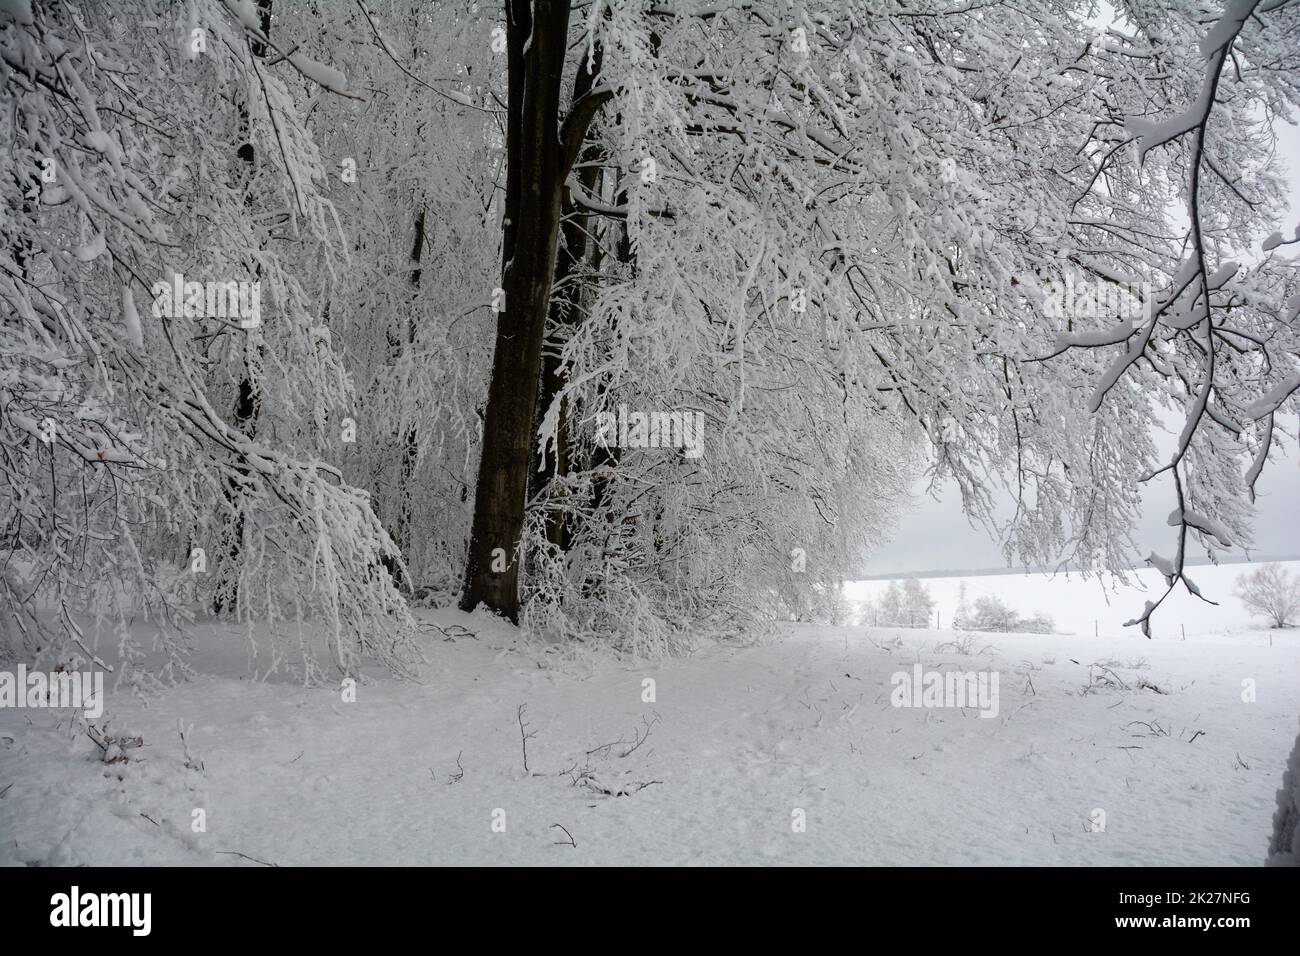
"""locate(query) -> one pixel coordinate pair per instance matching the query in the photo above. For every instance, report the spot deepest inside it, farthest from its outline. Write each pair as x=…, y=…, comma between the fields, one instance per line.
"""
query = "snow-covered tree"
x=844, y=239
x=906, y=198
x=1270, y=592
x=891, y=607
x=868, y=613
x=918, y=603
x=992, y=614
x=961, y=615
x=136, y=472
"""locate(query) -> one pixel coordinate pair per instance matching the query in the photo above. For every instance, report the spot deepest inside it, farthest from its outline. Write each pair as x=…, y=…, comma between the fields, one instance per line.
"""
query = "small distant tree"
x=991, y=614
x=1270, y=592
x=891, y=606
x=833, y=606
x=918, y=604
x=867, y=613
x=962, y=615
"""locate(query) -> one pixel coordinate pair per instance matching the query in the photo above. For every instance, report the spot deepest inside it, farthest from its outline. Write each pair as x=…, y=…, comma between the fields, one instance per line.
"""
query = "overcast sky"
x=936, y=536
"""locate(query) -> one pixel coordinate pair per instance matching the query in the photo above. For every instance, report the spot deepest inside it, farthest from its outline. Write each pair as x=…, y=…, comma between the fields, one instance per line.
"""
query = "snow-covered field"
x=1080, y=766
x=1082, y=605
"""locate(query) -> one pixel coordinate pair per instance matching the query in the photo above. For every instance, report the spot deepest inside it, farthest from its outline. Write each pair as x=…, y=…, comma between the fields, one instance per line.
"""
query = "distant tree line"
x=909, y=603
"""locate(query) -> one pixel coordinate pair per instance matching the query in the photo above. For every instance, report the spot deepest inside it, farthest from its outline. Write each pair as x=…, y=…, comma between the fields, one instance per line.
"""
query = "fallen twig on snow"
x=1154, y=728
x=524, y=735
x=1007, y=720
x=451, y=632
x=1103, y=675
x=641, y=737
x=594, y=785
x=192, y=762
x=114, y=748
x=246, y=857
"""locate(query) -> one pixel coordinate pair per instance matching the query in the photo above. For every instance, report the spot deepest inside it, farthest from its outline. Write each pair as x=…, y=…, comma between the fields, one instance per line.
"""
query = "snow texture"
x=738, y=739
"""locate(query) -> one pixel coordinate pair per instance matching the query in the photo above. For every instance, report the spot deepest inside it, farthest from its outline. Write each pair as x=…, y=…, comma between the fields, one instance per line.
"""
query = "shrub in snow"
x=1040, y=623
x=1284, y=847
x=992, y=614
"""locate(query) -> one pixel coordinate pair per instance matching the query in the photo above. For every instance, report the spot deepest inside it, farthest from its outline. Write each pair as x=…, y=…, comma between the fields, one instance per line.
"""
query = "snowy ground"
x=740, y=739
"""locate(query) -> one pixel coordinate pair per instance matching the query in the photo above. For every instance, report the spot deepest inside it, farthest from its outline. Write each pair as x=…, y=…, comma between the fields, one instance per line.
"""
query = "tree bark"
x=565, y=310
x=248, y=402
x=536, y=35
x=410, y=439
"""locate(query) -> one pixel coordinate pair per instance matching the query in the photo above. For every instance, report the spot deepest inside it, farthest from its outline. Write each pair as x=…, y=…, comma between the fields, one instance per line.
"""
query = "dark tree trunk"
x=410, y=446
x=536, y=166
x=409, y=440
x=565, y=312
x=248, y=402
